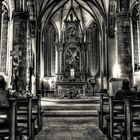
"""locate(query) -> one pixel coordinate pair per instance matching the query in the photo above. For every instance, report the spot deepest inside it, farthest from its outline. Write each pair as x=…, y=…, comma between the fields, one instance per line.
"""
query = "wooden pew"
x=37, y=111
x=131, y=126
x=116, y=115
x=107, y=114
x=123, y=114
x=25, y=117
x=10, y=129
x=103, y=111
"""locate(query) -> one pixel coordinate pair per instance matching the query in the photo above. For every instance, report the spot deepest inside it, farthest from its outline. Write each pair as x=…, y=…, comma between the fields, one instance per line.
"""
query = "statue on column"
x=17, y=82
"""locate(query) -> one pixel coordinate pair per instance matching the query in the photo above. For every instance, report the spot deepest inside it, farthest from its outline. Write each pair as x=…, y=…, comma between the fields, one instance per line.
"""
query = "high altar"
x=72, y=57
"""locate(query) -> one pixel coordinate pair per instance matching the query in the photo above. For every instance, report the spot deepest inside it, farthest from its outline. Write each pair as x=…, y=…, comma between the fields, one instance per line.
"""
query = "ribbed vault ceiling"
x=49, y=7
x=86, y=10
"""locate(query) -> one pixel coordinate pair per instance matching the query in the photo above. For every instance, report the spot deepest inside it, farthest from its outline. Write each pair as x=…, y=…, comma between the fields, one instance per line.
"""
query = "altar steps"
x=67, y=101
x=70, y=113
x=70, y=107
x=70, y=120
x=51, y=107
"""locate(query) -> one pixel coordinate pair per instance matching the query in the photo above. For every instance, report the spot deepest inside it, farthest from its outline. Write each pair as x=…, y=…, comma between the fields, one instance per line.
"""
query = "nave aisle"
x=70, y=125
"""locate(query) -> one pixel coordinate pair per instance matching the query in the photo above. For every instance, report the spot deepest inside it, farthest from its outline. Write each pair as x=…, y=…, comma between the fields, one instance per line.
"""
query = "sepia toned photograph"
x=69, y=69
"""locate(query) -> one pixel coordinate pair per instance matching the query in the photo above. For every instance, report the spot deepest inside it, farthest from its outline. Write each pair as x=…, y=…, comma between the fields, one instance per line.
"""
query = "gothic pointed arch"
x=50, y=37
x=93, y=49
x=4, y=37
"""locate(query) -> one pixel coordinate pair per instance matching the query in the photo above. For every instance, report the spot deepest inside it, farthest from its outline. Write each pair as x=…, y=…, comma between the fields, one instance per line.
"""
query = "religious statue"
x=71, y=32
x=17, y=80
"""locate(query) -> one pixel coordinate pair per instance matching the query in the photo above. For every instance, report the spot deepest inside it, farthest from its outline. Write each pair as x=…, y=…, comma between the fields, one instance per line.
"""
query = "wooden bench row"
x=10, y=129
x=120, y=117
x=27, y=114
x=103, y=111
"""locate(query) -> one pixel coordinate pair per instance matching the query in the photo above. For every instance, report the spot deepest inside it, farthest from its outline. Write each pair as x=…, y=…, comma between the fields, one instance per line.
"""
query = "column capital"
x=20, y=15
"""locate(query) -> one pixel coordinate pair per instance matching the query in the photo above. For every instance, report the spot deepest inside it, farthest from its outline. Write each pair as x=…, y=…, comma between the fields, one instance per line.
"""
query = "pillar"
x=33, y=42
x=124, y=42
x=0, y=27
x=135, y=41
x=138, y=26
x=38, y=85
x=61, y=62
x=20, y=47
x=60, y=69
x=58, y=58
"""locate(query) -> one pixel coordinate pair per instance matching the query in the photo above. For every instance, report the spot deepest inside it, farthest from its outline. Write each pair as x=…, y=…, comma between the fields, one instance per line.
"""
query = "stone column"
x=4, y=34
x=38, y=43
x=124, y=44
x=135, y=41
x=20, y=48
x=60, y=60
x=33, y=42
x=138, y=26
x=0, y=26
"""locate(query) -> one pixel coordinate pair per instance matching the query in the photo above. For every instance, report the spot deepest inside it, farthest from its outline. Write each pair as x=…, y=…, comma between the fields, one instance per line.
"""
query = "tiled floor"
x=70, y=128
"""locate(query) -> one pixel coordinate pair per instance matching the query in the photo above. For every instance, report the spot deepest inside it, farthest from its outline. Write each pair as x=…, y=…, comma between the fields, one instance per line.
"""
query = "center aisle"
x=70, y=128
x=70, y=120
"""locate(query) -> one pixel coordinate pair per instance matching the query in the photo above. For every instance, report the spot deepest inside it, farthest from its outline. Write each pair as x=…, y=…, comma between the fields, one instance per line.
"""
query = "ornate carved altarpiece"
x=72, y=53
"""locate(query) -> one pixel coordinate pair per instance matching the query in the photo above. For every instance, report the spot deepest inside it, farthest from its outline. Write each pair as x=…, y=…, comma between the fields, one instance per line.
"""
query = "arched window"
x=3, y=43
x=93, y=49
x=136, y=35
x=49, y=50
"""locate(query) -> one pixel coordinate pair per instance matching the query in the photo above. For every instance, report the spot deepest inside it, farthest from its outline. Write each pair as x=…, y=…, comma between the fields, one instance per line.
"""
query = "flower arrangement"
x=71, y=93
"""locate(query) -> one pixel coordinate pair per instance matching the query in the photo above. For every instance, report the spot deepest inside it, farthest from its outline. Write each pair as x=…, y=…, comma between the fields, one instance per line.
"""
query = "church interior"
x=63, y=61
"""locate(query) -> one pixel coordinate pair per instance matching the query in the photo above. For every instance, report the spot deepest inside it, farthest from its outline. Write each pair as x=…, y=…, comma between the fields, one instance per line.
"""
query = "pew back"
x=116, y=114
x=26, y=103
x=10, y=114
x=103, y=111
x=123, y=112
x=37, y=106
